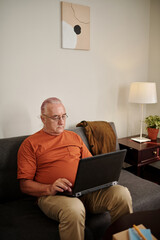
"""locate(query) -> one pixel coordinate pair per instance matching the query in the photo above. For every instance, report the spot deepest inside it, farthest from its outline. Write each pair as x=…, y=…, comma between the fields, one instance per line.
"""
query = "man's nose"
x=60, y=119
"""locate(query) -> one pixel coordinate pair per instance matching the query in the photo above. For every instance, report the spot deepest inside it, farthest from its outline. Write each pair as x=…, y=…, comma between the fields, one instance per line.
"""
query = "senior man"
x=47, y=164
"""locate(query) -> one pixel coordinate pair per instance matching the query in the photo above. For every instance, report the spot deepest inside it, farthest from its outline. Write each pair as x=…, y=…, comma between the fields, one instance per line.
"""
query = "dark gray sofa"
x=20, y=217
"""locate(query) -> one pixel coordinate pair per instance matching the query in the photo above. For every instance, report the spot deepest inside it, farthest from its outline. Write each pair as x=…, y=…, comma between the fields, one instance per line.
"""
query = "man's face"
x=54, y=118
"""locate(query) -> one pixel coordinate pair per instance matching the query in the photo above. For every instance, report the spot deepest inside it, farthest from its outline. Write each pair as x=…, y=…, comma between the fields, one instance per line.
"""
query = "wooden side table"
x=140, y=154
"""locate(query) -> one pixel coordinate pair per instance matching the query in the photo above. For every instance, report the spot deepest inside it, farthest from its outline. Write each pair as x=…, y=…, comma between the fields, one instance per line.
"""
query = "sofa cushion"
x=145, y=194
x=24, y=220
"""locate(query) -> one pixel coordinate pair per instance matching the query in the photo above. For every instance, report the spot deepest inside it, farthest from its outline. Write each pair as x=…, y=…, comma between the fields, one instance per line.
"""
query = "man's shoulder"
x=67, y=131
x=33, y=137
x=72, y=134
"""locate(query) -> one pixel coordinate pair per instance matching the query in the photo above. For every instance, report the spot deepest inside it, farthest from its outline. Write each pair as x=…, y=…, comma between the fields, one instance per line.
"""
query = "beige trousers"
x=70, y=212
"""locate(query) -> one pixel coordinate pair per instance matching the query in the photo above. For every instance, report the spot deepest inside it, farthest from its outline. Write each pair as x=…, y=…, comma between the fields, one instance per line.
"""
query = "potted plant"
x=153, y=125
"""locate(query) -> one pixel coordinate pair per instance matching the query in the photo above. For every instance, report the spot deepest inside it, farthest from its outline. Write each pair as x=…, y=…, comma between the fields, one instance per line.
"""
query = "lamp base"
x=141, y=139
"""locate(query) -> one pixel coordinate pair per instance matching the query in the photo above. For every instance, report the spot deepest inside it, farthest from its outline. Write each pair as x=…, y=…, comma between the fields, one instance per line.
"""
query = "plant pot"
x=152, y=133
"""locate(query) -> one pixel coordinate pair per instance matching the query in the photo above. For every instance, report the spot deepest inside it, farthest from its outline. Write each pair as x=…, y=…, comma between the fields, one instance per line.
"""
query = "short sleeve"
x=26, y=161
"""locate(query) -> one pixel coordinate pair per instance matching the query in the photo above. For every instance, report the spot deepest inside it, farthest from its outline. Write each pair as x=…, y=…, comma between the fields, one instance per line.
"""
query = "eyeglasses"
x=57, y=117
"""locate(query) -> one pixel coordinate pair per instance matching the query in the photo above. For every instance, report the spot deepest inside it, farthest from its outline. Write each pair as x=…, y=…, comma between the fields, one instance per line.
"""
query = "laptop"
x=97, y=172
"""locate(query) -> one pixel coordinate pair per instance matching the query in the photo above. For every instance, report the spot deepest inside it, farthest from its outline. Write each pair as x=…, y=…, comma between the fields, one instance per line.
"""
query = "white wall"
x=92, y=84
x=154, y=59
x=154, y=56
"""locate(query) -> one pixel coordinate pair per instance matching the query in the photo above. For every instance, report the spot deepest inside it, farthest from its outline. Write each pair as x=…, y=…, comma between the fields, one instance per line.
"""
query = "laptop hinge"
x=78, y=194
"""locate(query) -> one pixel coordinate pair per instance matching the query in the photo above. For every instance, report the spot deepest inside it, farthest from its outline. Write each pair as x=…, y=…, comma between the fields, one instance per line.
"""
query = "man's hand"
x=60, y=185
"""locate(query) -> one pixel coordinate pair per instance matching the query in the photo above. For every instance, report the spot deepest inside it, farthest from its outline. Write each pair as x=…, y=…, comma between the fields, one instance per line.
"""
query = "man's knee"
x=73, y=212
x=121, y=202
x=122, y=197
x=123, y=193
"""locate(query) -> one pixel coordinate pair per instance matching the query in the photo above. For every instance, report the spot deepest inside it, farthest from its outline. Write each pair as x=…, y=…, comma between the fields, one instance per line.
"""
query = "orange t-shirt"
x=45, y=158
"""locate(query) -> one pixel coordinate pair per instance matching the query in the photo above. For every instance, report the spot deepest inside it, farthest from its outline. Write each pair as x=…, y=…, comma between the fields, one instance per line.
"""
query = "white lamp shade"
x=143, y=92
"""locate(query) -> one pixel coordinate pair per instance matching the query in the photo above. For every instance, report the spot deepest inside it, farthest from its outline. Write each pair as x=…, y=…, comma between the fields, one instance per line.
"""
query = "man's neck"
x=51, y=133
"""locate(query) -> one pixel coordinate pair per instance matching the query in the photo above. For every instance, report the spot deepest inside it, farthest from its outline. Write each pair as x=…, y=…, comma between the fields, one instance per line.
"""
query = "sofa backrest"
x=9, y=185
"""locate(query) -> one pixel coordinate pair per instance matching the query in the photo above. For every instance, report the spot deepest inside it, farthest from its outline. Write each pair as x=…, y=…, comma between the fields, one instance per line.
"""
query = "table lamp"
x=142, y=93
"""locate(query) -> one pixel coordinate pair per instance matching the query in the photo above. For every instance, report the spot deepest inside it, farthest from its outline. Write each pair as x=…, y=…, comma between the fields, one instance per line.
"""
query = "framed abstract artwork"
x=75, y=26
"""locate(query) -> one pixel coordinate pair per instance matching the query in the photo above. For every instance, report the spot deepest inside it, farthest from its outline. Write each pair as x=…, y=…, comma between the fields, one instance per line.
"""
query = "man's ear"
x=42, y=118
